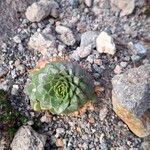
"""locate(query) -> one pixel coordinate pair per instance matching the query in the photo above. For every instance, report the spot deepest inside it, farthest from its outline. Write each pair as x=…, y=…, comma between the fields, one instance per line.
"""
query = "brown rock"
x=139, y=126
x=59, y=143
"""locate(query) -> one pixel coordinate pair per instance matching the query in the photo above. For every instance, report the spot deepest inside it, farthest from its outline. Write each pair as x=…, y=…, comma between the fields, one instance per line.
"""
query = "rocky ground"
x=72, y=28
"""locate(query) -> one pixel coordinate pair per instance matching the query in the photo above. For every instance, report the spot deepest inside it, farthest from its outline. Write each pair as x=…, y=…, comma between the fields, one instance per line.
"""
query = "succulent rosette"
x=60, y=87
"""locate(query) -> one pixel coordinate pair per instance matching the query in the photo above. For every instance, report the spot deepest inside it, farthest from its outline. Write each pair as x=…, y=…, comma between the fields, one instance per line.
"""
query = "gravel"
x=97, y=128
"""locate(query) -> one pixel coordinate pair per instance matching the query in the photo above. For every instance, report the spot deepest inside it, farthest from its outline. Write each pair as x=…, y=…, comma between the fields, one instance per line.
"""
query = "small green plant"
x=60, y=87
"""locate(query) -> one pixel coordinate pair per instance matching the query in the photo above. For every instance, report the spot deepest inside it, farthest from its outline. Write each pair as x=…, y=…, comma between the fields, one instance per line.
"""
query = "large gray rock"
x=27, y=139
x=131, y=99
x=42, y=9
x=132, y=89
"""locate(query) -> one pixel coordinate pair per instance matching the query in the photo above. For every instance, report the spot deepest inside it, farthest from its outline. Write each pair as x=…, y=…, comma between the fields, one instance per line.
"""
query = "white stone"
x=105, y=44
x=40, y=10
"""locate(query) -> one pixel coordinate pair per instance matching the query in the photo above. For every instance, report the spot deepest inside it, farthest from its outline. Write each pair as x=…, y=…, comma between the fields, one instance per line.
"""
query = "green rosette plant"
x=60, y=87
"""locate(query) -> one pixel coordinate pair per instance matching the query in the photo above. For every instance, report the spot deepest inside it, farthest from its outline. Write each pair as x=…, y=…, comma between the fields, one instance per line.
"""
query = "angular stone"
x=66, y=35
x=131, y=99
x=27, y=139
x=42, y=9
x=105, y=44
x=42, y=43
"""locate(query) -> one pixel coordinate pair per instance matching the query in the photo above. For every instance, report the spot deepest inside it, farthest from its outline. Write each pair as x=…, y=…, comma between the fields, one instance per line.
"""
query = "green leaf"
x=37, y=106
x=73, y=105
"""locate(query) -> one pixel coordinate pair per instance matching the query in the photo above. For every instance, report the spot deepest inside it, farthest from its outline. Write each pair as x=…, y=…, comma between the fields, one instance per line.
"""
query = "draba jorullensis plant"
x=60, y=87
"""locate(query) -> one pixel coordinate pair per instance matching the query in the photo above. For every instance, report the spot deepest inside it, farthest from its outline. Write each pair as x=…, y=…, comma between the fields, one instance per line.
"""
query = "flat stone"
x=105, y=44
x=131, y=99
x=27, y=139
x=42, y=9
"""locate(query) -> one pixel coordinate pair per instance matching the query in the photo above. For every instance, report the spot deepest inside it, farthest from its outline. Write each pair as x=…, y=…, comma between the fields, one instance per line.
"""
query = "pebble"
x=20, y=47
x=46, y=119
x=59, y=142
x=123, y=64
x=74, y=3
x=88, y=38
x=14, y=89
x=98, y=61
x=117, y=69
x=105, y=44
x=30, y=122
x=103, y=113
x=135, y=58
x=98, y=69
x=60, y=130
x=66, y=35
x=17, y=39
x=126, y=7
x=88, y=2
x=140, y=48
x=81, y=52
x=62, y=29
x=4, y=85
x=90, y=58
